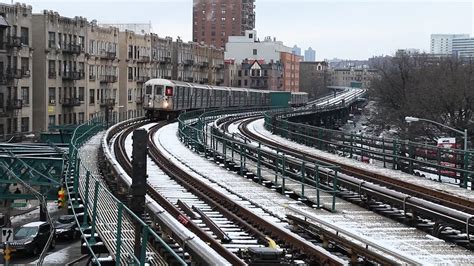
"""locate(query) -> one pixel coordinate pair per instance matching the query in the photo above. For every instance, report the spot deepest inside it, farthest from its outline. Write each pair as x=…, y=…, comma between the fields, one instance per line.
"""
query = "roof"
x=34, y=224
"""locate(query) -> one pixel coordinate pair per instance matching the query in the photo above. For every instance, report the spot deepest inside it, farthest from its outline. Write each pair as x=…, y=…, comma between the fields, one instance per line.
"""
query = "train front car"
x=158, y=98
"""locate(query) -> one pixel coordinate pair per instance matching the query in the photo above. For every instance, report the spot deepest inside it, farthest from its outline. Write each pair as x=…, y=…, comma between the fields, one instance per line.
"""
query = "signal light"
x=61, y=198
x=169, y=91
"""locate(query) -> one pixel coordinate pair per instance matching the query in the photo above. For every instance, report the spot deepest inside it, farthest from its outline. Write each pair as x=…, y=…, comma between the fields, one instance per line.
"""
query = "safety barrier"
x=104, y=216
x=409, y=156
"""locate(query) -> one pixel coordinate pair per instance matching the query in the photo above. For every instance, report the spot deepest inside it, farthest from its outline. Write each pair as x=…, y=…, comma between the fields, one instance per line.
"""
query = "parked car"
x=32, y=238
x=66, y=227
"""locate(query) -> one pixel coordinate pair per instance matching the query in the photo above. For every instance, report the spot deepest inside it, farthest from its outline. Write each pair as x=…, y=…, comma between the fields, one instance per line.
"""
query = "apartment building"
x=214, y=21
x=351, y=77
x=161, y=51
x=134, y=68
x=314, y=78
x=16, y=106
x=248, y=47
x=102, y=62
x=254, y=74
x=60, y=63
x=197, y=63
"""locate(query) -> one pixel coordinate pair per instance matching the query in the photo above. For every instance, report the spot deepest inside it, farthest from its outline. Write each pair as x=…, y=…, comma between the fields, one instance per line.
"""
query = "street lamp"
x=410, y=119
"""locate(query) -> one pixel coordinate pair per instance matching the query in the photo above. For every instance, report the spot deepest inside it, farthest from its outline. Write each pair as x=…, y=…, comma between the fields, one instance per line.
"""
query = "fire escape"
x=70, y=52
x=107, y=78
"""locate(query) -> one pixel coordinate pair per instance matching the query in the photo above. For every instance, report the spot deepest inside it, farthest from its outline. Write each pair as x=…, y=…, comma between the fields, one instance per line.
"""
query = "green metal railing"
x=94, y=192
x=409, y=156
x=194, y=133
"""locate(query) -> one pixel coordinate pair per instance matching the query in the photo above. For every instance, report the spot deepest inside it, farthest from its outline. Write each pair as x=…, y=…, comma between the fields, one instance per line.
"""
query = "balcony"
x=142, y=79
x=14, y=73
x=52, y=74
x=139, y=100
x=220, y=65
x=188, y=62
x=108, y=79
x=164, y=60
x=203, y=64
x=71, y=102
x=108, y=55
x=188, y=79
x=13, y=41
x=203, y=80
x=73, y=75
x=107, y=102
x=71, y=49
x=92, y=77
x=14, y=104
x=143, y=59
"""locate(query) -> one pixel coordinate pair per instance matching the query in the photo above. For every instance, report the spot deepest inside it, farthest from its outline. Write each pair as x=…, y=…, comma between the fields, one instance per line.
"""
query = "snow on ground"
x=258, y=128
x=400, y=238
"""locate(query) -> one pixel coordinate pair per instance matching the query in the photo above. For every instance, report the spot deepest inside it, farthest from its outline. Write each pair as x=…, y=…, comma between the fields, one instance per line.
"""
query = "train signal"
x=7, y=254
x=61, y=198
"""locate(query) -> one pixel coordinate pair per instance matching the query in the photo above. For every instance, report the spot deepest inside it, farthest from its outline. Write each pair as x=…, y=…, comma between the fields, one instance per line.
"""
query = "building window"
x=129, y=95
x=130, y=51
x=51, y=69
x=81, y=94
x=52, y=95
x=81, y=117
x=25, y=124
x=246, y=72
x=245, y=83
x=52, y=120
x=254, y=51
x=130, y=73
x=91, y=96
x=51, y=39
x=239, y=82
x=25, y=95
x=239, y=73
x=24, y=36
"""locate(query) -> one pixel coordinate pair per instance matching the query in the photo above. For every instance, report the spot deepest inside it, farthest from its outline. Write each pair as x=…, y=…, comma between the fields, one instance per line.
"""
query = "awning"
x=3, y=22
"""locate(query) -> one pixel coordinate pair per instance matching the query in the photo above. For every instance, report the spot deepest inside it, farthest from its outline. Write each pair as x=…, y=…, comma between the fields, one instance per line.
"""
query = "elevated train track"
x=445, y=209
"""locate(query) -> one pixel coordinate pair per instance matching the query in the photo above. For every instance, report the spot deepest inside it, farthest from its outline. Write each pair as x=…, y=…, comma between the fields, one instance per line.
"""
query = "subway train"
x=165, y=98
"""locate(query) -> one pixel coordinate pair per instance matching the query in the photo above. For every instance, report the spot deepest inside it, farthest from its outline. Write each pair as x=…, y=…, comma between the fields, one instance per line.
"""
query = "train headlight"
x=149, y=102
x=166, y=104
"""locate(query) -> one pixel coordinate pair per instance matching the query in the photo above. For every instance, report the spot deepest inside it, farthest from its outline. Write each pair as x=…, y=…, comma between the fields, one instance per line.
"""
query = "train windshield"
x=158, y=90
x=149, y=89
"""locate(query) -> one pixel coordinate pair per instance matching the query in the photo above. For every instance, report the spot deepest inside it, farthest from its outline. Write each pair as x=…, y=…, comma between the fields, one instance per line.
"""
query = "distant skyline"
x=344, y=29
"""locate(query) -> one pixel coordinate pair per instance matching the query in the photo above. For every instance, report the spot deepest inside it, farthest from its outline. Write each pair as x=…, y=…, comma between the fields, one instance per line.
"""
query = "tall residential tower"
x=214, y=21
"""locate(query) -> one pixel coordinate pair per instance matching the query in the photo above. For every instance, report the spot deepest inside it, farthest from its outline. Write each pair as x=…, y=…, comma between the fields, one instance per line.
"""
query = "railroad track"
x=439, y=215
x=228, y=227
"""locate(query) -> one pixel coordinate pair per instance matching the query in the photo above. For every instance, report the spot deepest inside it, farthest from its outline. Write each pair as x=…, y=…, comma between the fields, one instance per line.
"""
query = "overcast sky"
x=346, y=29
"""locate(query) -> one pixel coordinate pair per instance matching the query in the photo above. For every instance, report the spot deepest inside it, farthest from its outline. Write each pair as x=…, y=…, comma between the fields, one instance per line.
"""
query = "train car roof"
x=159, y=81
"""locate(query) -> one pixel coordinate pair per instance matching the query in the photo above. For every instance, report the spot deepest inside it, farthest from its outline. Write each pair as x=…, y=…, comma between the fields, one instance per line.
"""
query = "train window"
x=149, y=89
x=158, y=90
x=169, y=91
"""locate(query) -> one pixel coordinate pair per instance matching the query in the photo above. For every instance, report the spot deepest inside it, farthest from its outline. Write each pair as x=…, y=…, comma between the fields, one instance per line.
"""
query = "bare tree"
x=439, y=89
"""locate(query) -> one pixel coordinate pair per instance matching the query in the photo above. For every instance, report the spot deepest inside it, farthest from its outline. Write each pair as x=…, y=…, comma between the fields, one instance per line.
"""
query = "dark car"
x=66, y=227
x=32, y=238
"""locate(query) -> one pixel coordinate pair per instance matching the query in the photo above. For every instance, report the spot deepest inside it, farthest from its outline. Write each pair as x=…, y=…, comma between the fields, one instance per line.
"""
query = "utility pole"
x=139, y=176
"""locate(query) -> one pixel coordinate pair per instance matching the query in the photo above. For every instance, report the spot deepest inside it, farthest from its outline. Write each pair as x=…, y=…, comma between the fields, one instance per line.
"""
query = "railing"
x=411, y=157
x=71, y=102
x=71, y=48
x=94, y=192
x=108, y=55
x=108, y=79
x=13, y=104
x=107, y=103
x=73, y=75
x=142, y=79
x=143, y=59
x=194, y=133
x=13, y=41
x=13, y=73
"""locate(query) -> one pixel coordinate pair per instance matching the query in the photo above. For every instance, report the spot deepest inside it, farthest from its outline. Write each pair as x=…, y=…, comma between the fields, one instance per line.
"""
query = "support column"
x=138, y=188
